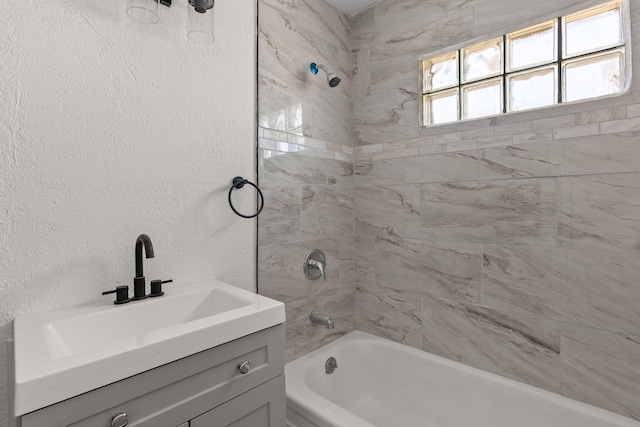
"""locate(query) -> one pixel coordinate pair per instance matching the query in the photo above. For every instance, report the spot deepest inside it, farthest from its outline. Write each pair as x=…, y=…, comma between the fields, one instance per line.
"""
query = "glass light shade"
x=143, y=11
x=200, y=25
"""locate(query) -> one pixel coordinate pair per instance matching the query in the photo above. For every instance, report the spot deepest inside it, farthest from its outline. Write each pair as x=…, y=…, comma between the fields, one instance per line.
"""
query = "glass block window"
x=571, y=58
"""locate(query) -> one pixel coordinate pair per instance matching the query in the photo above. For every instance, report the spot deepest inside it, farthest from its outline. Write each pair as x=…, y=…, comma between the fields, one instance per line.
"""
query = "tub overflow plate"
x=330, y=365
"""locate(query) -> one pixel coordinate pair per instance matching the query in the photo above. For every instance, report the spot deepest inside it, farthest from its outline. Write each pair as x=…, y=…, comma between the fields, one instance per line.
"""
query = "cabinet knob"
x=120, y=420
x=244, y=367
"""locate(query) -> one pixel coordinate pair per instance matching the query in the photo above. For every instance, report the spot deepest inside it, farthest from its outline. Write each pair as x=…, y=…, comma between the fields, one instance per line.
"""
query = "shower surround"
x=509, y=243
x=306, y=167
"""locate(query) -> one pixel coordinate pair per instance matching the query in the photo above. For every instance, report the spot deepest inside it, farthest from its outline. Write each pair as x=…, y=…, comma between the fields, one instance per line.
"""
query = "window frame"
x=558, y=63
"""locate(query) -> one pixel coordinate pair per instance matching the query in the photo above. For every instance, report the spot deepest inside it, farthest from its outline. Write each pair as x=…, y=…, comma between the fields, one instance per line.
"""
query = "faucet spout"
x=142, y=239
x=139, y=284
x=322, y=319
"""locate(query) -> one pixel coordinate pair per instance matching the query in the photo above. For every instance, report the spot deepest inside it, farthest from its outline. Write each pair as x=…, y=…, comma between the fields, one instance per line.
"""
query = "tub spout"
x=322, y=319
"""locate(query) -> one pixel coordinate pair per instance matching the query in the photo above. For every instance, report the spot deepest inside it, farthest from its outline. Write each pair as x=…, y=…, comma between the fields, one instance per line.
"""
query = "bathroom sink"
x=147, y=320
x=65, y=353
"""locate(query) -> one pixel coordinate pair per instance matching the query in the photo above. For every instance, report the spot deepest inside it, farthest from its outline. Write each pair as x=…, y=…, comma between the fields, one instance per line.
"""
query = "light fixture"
x=200, y=17
x=143, y=11
x=201, y=21
x=201, y=6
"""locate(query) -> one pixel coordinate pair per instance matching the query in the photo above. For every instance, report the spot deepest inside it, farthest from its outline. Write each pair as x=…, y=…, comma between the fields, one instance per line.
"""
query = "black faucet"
x=139, y=285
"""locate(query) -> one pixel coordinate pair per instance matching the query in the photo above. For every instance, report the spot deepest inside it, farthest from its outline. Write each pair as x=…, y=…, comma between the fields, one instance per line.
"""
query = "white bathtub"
x=380, y=383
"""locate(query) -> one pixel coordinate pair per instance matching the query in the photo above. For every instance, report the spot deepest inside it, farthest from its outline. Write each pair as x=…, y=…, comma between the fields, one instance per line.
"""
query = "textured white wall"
x=109, y=129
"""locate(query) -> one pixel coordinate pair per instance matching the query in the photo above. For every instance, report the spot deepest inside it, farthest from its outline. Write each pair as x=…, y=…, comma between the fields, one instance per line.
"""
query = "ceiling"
x=352, y=7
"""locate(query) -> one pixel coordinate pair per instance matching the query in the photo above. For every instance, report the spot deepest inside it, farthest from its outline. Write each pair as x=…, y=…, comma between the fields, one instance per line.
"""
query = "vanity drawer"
x=264, y=406
x=177, y=392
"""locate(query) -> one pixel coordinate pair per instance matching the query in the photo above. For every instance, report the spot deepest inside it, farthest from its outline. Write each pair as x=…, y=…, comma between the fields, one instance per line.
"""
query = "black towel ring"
x=239, y=182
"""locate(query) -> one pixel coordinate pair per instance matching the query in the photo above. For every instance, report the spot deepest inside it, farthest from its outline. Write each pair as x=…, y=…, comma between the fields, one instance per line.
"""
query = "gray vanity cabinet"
x=206, y=389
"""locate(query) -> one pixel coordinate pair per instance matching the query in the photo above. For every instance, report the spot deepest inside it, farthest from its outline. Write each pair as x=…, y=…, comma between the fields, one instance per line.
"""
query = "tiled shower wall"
x=306, y=167
x=511, y=244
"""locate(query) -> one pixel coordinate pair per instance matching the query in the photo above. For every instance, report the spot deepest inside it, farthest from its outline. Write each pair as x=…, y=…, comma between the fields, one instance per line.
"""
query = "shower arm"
x=323, y=68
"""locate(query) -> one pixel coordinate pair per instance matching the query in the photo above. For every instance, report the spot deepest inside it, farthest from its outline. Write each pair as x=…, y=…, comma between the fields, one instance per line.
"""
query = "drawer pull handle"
x=244, y=367
x=120, y=420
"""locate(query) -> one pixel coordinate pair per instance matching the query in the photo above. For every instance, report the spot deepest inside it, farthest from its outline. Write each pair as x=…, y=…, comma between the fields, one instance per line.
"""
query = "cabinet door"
x=264, y=406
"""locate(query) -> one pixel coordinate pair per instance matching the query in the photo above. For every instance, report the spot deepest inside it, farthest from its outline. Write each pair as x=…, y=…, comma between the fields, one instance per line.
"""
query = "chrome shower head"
x=332, y=78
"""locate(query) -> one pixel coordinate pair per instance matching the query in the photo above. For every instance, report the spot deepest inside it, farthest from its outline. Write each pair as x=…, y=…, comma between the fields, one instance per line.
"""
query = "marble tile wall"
x=305, y=167
x=511, y=243
x=308, y=205
x=292, y=34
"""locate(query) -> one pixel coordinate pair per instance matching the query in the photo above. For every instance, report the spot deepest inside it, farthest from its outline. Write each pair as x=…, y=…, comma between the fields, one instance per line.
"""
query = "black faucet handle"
x=156, y=287
x=122, y=294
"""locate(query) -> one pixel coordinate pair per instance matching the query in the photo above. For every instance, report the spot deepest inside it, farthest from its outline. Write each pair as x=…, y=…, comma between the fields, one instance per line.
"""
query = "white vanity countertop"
x=61, y=354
